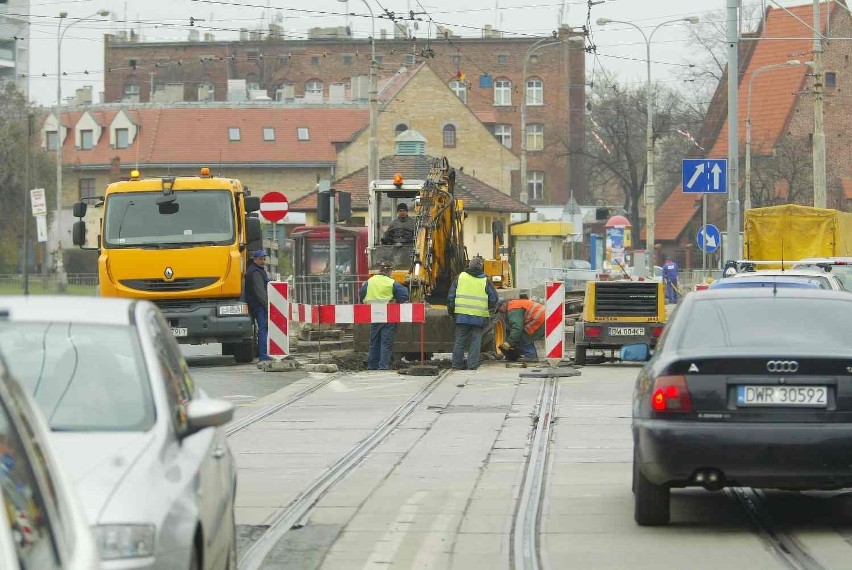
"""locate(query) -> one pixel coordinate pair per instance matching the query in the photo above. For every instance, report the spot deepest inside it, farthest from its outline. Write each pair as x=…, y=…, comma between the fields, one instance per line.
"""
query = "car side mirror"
x=208, y=412
x=635, y=353
x=252, y=203
x=253, y=231
x=80, y=209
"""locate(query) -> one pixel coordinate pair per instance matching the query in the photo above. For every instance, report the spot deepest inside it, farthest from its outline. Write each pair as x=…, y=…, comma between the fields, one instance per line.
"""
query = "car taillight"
x=594, y=331
x=670, y=394
x=656, y=331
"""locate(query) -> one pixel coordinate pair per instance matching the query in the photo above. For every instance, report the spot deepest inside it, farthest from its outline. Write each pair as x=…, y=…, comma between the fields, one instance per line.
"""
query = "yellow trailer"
x=793, y=232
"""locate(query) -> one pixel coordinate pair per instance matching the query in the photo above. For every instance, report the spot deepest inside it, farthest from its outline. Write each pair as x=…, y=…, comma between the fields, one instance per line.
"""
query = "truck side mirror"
x=253, y=232
x=252, y=203
x=80, y=209
x=78, y=231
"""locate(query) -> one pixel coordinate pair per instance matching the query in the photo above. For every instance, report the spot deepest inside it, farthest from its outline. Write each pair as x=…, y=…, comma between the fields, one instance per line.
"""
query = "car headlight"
x=124, y=540
x=229, y=310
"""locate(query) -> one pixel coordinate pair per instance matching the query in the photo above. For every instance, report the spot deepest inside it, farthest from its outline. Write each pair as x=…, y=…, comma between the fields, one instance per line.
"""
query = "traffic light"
x=343, y=205
x=323, y=214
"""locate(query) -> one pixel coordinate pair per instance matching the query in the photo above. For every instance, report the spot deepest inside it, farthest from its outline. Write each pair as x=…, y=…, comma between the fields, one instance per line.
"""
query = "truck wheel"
x=243, y=353
x=580, y=354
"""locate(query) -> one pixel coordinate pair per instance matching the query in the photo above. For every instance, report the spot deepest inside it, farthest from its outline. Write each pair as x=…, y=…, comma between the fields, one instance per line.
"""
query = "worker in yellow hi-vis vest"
x=382, y=289
x=471, y=299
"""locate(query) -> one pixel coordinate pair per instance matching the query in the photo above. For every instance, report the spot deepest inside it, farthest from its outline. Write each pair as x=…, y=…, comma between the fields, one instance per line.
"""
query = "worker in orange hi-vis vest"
x=525, y=325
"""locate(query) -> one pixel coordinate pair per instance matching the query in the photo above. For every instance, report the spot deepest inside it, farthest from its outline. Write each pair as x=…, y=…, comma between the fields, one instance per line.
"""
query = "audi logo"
x=782, y=366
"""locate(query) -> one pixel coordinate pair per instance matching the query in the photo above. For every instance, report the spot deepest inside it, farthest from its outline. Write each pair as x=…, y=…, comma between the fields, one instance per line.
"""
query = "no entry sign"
x=274, y=206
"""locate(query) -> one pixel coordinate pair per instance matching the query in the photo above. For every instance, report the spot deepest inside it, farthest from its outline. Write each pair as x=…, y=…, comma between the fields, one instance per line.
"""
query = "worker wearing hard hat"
x=401, y=230
x=524, y=326
x=470, y=300
x=382, y=289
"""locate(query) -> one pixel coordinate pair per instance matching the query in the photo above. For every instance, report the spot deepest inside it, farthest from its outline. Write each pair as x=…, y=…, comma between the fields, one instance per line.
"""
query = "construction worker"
x=524, y=326
x=382, y=289
x=670, y=271
x=470, y=299
x=401, y=230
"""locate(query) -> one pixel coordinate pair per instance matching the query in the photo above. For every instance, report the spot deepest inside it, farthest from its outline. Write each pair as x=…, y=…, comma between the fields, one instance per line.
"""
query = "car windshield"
x=83, y=377
x=744, y=283
x=791, y=323
x=197, y=217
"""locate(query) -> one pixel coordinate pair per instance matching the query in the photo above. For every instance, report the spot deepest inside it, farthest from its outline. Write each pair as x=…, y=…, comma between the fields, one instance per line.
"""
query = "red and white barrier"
x=554, y=321
x=278, y=340
x=373, y=313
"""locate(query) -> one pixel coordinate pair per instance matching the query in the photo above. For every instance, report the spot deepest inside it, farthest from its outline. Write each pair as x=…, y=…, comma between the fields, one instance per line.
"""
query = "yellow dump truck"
x=182, y=243
x=792, y=232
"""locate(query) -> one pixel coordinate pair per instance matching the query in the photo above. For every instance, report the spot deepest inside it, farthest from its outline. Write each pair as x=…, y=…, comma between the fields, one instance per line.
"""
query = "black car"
x=747, y=388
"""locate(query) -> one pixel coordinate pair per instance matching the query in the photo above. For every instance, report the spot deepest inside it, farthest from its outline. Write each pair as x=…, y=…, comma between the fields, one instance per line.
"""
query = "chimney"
x=410, y=143
x=115, y=169
x=383, y=34
x=194, y=35
x=208, y=37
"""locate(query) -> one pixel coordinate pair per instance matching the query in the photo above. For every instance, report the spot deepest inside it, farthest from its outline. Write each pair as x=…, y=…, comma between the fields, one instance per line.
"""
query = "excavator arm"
x=439, y=251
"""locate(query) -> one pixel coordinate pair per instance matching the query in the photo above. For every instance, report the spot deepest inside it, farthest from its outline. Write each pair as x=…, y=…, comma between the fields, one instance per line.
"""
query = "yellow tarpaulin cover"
x=793, y=232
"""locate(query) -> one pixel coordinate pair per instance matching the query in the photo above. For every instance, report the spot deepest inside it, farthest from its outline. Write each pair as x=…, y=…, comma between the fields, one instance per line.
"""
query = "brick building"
x=782, y=126
x=485, y=73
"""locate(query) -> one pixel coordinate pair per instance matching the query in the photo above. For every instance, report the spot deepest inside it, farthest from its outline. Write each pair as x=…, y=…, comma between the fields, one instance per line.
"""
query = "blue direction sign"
x=705, y=176
x=709, y=238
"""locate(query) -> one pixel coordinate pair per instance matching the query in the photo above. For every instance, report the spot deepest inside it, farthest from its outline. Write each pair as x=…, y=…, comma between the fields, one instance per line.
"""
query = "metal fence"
x=48, y=282
x=316, y=290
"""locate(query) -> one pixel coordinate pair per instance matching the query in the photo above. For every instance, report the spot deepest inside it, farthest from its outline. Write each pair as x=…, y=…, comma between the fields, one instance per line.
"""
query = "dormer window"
x=122, y=138
x=51, y=140
x=87, y=140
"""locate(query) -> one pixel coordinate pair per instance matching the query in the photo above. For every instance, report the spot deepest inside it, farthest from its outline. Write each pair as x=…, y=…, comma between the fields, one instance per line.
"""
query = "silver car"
x=45, y=526
x=141, y=443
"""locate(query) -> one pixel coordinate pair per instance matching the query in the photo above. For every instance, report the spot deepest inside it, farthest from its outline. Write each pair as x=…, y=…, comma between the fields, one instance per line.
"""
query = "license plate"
x=807, y=396
x=626, y=331
x=180, y=331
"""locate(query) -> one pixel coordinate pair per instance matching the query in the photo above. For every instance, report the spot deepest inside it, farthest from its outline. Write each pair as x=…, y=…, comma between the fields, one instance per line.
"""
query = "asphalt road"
x=442, y=490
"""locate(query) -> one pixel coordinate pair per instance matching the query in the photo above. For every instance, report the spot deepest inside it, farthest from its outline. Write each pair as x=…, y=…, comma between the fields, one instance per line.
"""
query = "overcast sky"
x=82, y=46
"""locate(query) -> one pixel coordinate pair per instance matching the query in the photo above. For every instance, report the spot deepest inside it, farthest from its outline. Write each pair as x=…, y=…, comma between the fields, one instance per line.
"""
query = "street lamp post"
x=61, y=277
x=758, y=71
x=650, y=194
x=373, y=148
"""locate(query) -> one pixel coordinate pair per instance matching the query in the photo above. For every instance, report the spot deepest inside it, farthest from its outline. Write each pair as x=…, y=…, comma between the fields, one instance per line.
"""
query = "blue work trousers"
x=381, y=346
x=261, y=317
x=469, y=338
x=528, y=349
x=671, y=293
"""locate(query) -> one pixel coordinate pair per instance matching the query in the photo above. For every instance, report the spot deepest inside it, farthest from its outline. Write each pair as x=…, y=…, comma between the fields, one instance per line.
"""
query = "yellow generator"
x=619, y=313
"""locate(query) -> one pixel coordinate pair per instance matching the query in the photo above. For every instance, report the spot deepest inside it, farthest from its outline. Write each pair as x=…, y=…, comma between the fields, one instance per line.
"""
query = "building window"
x=87, y=139
x=233, y=133
x=535, y=185
x=253, y=55
x=502, y=92
x=303, y=134
x=401, y=128
x=409, y=59
x=460, y=89
x=315, y=60
x=206, y=92
x=456, y=61
x=346, y=59
x=483, y=224
x=502, y=59
x=51, y=140
x=504, y=134
x=535, y=136
x=313, y=87
x=252, y=86
x=131, y=89
x=830, y=79
x=122, y=138
x=86, y=187
x=268, y=134
x=449, y=136
x=535, y=91
x=379, y=58
x=285, y=93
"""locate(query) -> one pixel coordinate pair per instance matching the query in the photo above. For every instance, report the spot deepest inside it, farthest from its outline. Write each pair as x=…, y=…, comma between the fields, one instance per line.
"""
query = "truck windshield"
x=197, y=217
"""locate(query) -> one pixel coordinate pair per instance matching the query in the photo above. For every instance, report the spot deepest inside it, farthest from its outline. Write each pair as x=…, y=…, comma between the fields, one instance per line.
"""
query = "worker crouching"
x=524, y=326
x=382, y=289
x=471, y=299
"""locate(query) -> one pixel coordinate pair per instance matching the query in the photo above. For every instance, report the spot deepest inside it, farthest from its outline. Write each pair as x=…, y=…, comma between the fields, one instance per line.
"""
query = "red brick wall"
x=561, y=69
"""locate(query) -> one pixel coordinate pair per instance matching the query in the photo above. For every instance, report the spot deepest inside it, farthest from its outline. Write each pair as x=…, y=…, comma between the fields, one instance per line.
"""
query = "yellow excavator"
x=437, y=257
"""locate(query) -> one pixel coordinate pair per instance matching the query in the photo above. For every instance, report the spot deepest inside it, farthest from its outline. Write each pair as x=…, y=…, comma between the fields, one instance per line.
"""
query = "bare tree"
x=616, y=144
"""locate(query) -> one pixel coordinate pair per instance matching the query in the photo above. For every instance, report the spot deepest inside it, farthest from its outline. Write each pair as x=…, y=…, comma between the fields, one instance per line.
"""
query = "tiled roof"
x=477, y=195
x=774, y=96
x=196, y=135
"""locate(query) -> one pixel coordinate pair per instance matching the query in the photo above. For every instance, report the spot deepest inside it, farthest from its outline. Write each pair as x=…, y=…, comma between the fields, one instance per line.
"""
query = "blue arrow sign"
x=709, y=238
x=705, y=176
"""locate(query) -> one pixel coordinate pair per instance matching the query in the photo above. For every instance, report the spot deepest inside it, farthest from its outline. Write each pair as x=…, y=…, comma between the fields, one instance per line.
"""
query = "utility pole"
x=819, y=118
x=733, y=238
x=26, y=265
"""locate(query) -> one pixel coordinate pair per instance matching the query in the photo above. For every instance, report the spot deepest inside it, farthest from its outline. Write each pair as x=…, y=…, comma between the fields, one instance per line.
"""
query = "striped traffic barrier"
x=278, y=339
x=554, y=321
